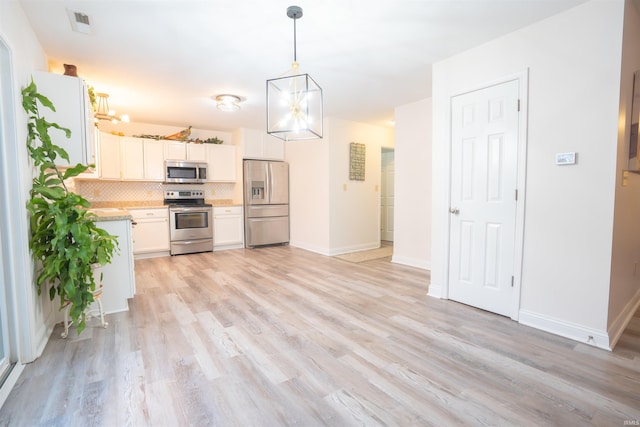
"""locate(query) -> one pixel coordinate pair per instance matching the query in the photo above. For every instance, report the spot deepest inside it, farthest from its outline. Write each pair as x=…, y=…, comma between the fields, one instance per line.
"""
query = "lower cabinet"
x=150, y=232
x=228, y=227
x=118, y=278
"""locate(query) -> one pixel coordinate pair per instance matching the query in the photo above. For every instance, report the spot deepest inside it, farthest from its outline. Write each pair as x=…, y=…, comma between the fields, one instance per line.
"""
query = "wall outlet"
x=344, y=187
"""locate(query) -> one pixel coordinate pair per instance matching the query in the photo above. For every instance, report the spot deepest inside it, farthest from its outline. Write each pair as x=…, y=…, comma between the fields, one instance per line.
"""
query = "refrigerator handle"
x=269, y=183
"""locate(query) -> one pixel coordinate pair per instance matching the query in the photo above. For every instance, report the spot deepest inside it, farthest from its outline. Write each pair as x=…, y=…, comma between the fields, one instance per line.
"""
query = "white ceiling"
x=163, y=61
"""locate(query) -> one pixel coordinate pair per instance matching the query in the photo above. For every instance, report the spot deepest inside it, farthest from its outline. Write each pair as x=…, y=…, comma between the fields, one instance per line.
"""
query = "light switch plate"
x=566, y=158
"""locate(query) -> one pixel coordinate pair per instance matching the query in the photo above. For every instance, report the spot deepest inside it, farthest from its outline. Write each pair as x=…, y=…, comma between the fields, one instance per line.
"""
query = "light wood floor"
x=280, y=336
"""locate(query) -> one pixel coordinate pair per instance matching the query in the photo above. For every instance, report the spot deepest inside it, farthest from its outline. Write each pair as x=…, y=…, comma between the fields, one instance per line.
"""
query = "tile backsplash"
x=131, y=191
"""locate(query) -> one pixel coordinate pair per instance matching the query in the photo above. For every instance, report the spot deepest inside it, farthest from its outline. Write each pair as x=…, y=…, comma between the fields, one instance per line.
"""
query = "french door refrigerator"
x=266, y=198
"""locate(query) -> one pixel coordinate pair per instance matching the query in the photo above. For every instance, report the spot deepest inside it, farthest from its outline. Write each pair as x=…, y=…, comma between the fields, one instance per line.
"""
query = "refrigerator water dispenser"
x=257, y=190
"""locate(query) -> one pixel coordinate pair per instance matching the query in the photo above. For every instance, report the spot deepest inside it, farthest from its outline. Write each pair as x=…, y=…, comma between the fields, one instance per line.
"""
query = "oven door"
x=191, y=223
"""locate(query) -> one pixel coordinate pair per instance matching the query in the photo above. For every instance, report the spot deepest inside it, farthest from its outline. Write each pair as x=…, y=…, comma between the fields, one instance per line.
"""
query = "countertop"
x=112, y=214
x=119, y=210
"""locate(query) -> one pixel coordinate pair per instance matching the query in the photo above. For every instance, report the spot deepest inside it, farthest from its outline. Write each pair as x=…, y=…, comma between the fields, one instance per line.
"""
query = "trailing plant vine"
x=65, y=240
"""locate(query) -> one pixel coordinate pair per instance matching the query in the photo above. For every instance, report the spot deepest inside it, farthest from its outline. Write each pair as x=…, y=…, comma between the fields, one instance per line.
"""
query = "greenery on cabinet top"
x=214, y=140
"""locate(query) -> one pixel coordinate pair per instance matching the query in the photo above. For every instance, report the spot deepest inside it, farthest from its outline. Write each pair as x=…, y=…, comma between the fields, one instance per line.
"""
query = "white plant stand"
x=97, y=294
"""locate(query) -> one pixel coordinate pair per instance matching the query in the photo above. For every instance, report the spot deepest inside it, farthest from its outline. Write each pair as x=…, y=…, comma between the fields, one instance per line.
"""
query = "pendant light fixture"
x=105, y=113
x=294, y=101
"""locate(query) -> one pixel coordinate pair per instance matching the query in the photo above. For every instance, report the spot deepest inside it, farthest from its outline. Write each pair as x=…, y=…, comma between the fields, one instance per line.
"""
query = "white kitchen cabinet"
x=118, y=278
x=197, y=152
x=228, y=227
x=257, y=144
x=70, y=98
x=154, y=160
x=175, y=150
x=131, y=158
x=150, y=232
x=222, y=161
x=109, y=156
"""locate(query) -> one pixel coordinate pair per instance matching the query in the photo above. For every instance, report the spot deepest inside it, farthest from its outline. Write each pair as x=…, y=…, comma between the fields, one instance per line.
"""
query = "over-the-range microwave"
x=185, y=172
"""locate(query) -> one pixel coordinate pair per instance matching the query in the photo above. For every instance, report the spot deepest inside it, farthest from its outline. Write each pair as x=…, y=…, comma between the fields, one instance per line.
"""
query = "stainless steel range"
x=191, y=221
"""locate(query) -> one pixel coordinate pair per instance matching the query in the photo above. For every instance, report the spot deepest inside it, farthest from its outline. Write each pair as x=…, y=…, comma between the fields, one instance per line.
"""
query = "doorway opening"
x=387, y=190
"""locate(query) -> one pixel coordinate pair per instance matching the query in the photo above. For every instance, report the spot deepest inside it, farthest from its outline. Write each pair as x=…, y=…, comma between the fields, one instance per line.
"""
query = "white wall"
x=326, y=218
x=35, y=315
x=309, y=171
x=624, y=293
x=573, y=60
x=412, y=210
x=355, y=205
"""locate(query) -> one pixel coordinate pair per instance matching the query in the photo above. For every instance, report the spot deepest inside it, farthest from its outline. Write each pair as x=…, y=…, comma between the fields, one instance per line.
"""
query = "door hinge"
x=518, y=105
x=516, y=194
x=512, y=281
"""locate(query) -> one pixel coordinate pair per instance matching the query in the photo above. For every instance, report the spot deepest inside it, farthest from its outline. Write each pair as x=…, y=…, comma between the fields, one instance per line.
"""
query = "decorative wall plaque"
x=357, y=155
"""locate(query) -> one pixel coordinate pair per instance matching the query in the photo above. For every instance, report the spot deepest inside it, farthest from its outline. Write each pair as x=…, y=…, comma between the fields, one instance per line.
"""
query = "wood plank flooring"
x=279, y=336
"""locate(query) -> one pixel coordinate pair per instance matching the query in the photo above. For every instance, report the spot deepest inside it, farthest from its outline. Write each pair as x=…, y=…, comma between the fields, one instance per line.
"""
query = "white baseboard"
x=411, y=262
x=349, y=249
x=619, y=325
x=310, y=248
x=435, y=290
x=147, y=255
x=566, y=329
x=227, y=247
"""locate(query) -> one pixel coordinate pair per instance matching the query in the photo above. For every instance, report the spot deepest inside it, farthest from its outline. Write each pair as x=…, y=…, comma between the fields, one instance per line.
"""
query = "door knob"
x=454, y=211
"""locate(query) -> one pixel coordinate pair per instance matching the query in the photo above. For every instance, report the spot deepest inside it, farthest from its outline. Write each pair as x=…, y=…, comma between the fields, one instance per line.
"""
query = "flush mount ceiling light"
x=294, y=101
x=104, y=113
x=228, y=102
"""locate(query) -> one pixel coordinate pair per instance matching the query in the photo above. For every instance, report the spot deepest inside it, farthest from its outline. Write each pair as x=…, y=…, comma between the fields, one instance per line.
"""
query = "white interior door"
x=387, y=195
x=484, y=157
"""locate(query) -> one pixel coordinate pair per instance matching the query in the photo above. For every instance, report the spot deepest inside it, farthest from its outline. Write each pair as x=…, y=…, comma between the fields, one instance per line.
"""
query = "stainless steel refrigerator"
x=266, y=199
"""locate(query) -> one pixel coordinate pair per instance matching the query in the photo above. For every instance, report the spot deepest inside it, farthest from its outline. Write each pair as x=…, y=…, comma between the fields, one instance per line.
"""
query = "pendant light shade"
x=103, y=111
x=294, y=101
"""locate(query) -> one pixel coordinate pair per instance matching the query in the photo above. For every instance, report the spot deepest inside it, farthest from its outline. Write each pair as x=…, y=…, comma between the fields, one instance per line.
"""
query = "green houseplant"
x=65, y=240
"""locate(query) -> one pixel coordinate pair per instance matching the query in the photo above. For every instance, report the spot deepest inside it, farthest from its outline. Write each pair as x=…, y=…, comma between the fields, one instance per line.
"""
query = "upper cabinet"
x=138, y=159
x=175, y=150
x=154, y=160
x=196, y=152
x=109, y=167
x=70, y=97
x=257, y=144
x=131, y=158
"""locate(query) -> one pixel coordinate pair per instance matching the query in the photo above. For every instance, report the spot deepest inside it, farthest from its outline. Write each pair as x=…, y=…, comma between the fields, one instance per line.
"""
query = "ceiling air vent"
x=79, y=21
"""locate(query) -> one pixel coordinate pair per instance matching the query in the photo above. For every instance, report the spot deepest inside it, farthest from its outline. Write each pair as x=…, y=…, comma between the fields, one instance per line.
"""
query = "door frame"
x=17, y=265
x=523, y=84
